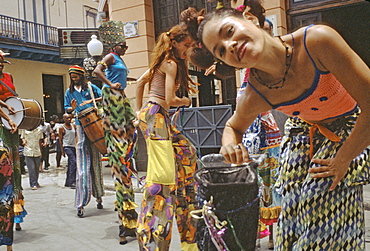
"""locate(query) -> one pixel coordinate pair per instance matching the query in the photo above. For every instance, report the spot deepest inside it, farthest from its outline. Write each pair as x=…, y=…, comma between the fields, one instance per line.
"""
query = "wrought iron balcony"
x=27, y=31
x=29, y=40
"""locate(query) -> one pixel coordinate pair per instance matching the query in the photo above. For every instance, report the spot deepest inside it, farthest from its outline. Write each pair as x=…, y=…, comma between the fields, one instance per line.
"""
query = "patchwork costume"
x=170, y=186
x=11, y=196
x=120, y=133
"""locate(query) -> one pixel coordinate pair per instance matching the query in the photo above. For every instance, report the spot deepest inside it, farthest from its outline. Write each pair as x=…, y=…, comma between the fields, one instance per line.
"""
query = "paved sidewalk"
x=52, y=223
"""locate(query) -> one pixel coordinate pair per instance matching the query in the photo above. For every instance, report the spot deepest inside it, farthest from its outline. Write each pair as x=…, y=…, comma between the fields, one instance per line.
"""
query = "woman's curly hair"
x=163, y=51
x=195, y=20
x=197, y=55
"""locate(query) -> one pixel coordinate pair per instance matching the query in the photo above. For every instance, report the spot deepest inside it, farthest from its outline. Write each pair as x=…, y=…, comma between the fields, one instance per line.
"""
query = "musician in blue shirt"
x=89, y=179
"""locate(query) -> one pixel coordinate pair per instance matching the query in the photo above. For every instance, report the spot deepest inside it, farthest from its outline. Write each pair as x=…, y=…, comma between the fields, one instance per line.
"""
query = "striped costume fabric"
x=120, y=137
x=89, y=178
x=313, y=218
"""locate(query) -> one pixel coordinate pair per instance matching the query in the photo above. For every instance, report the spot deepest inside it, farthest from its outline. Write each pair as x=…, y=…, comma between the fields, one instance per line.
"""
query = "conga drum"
x=28, y=113
x=92, y=125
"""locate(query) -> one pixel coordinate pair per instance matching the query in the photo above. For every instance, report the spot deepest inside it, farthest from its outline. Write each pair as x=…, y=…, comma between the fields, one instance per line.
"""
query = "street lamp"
x=95, y=48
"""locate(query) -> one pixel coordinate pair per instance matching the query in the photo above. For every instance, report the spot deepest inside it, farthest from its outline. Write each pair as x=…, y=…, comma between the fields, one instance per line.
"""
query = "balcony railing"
x=27, y=31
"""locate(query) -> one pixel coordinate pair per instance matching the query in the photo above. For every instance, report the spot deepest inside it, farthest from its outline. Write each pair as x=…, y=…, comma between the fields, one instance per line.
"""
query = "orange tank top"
x=326, y=98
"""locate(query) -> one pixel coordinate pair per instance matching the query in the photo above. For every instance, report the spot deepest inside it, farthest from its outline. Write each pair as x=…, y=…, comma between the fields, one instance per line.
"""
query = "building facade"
x=348, y=17
x=29, y=32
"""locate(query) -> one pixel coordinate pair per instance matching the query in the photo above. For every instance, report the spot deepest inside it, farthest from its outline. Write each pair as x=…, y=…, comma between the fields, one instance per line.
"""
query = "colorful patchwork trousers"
x=162, y=200
x=120, y=136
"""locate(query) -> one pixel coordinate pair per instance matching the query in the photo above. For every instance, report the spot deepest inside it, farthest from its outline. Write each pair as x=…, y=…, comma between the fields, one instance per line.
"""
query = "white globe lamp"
x=95, y=47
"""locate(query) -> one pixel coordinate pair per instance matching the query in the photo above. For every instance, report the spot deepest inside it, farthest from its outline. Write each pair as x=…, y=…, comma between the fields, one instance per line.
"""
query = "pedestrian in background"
x=54, y=123
x=32, y=142
x=89, y=180
x=46, y=128
x=67, y=136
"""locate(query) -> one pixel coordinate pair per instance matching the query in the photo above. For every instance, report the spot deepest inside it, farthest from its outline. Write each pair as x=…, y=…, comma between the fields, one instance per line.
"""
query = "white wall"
x=27, y=76
x=60, y=13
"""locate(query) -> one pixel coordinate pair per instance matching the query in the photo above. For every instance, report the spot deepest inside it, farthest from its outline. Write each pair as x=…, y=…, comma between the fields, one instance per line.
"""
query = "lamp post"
x=95, y=48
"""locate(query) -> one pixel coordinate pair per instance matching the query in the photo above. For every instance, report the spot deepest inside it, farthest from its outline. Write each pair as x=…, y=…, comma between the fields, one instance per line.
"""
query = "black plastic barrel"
x=235, y=192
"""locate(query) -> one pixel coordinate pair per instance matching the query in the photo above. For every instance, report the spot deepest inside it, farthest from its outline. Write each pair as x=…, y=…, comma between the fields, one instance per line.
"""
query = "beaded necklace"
x=288, y=61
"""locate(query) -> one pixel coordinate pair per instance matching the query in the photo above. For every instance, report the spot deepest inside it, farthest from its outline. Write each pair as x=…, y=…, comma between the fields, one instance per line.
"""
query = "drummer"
x=89, y=168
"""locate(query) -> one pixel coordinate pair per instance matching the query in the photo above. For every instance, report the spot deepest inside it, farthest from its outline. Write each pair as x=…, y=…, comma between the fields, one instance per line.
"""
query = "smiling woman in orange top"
x=313, y=76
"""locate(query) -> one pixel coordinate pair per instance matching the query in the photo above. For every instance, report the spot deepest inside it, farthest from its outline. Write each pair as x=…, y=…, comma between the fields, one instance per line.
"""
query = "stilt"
x=271, y=238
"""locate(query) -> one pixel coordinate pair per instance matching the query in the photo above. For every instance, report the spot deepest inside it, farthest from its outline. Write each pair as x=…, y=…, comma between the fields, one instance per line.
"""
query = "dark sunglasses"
x=125, y=47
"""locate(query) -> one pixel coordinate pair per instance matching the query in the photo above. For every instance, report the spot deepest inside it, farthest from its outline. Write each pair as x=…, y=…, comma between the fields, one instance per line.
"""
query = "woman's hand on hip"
x=116, y=86
x=329, y=168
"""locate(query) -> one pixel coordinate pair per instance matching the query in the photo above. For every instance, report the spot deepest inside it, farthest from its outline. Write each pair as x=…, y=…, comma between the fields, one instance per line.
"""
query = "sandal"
x=80, y=212
x=122, y=240
x=271, y=245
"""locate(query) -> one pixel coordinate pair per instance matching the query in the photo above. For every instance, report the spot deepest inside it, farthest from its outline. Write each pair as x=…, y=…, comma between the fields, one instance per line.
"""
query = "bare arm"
x=140, y=86
x=332, y=53
x=5, y=105
x=248, y=107
x=10, y=121
x=41, y=141
x=61, y=134
x=85, y=102
x=99, y=71
x=170, y=69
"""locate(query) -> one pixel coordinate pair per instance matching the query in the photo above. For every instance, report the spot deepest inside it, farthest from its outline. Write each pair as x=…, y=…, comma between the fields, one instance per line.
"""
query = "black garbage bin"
x=229, y=196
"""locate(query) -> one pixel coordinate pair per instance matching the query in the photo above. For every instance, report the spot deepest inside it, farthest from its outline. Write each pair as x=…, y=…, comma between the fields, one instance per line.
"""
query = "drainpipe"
x=65, y=7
